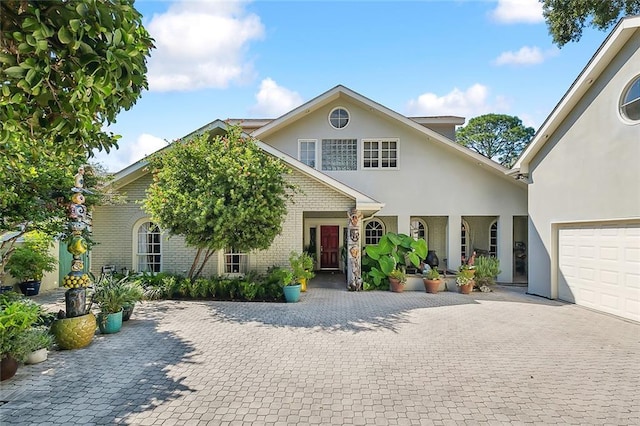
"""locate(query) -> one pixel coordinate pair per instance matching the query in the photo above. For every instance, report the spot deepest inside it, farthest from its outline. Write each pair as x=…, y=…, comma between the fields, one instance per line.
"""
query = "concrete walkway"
x=342, y=358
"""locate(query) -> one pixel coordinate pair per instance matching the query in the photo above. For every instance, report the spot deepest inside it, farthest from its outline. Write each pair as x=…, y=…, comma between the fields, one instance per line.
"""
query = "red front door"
x=329, y=246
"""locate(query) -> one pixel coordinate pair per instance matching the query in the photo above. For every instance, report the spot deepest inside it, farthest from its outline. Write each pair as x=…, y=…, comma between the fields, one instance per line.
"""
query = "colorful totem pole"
x=76, y=327
x=354, y=272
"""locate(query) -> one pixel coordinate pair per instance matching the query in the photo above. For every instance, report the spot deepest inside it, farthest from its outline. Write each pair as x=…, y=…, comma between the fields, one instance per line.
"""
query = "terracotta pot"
x=8, y=367
x=74, y=333
x=466, y=289
x=396, y=285
x=431, y=286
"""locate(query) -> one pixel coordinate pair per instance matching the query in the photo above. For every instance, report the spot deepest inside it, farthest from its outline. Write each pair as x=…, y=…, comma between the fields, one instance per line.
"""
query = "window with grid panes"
x=493, y=239
x=339, y=154
x=235, y=262
x=308, y=152
x=149, y=251
x=373, y=232
x=464, y=231
x=380, y=153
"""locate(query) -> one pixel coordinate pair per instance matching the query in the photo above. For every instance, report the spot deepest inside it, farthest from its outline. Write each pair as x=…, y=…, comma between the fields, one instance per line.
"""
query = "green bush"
x=487, y=269
x=251, y=287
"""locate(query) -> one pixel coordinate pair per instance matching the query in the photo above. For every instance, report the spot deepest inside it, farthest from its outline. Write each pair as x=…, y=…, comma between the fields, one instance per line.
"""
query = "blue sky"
x=260, y=59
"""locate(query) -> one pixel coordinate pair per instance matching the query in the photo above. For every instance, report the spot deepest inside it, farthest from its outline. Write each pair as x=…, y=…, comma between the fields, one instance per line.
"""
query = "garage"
x=599, y=267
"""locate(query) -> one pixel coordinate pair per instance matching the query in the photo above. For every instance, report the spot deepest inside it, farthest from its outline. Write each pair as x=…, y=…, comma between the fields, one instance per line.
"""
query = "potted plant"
x=16, y=317
x=464, y=279
x=302, y=268
x=487, y=269
x=30, y=261
x=393, y=251
x=110, y=296
x=35, y=343
x=431, y=279
x=133, y=293
x=397, y=279
x=290, y=288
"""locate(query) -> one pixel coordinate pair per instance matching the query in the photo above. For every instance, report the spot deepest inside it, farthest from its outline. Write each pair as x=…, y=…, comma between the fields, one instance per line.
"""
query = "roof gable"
x=219, y=127
x=415, y=123
x=612, y=45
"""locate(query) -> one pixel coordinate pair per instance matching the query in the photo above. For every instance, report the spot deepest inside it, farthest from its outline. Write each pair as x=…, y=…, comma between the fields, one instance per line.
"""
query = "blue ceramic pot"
x=110, y=323
x=292, y=293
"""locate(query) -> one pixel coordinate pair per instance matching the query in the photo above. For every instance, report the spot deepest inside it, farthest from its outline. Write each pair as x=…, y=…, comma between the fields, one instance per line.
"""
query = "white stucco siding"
x=588, y=170
x=430, y=180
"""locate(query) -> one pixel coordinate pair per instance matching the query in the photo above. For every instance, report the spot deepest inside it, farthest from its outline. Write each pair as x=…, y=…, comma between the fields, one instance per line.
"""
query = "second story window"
x=339, y=154
x=307, y=152
x=380, y=153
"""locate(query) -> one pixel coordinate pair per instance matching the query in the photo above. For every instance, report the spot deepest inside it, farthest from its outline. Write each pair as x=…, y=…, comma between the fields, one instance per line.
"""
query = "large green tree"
x=218, y=192
x=497, y=136
x=567, y=18
x=67, y=69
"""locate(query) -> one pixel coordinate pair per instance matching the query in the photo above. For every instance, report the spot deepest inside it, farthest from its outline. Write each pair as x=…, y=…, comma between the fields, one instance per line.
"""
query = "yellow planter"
x=74, y=333
x=303, y=284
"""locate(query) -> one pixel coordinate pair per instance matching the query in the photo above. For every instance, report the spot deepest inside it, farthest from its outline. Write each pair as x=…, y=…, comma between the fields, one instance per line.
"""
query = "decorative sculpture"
x=75, y=328
x=354, y=273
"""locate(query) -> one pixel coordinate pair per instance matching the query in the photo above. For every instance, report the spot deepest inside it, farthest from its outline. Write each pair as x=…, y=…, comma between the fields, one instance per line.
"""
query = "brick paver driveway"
x=343, y=358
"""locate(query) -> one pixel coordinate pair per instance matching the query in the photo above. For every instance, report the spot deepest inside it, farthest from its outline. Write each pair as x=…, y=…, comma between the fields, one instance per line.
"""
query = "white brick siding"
x=113, y=228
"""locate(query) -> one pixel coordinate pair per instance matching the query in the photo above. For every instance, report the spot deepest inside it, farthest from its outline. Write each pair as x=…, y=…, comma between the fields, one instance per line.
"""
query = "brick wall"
x=113, y=229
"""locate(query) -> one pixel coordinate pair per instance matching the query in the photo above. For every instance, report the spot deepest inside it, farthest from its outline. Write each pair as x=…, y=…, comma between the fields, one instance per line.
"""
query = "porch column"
x=404, y=224
x=505, y=248
x=354, y=248
x=453, y=242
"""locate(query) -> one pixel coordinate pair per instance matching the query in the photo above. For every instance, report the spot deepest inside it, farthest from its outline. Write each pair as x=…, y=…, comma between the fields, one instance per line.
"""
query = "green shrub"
x=487, y=269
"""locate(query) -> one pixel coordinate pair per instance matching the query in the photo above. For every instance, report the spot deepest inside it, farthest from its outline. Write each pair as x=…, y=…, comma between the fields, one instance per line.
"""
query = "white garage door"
x=599, y=268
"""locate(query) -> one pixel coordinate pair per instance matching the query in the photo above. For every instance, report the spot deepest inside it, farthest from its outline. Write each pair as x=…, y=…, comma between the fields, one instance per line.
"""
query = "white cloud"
x=525, y=56
x=514, y=11
x=201, y=45
x=273, y=100
x=129, y=153
x=146, y=144
x=472, y=102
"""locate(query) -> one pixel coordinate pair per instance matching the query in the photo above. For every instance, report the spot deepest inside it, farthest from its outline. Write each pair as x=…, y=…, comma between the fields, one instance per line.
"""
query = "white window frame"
x=366, y=236
x=315, y=151
x=136, y=247
x=493, y=247
x=624, y=102
x=464, y=240
x=415, y=229
x=242, y=261
x=380, y=150
x=348, y=117
x=328, y=141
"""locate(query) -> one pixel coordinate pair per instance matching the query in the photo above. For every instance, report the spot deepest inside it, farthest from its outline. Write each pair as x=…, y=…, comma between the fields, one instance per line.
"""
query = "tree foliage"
x=567, y=18
x=41, y=202
x=497, y=136
x=68, y=68
x=220, y=192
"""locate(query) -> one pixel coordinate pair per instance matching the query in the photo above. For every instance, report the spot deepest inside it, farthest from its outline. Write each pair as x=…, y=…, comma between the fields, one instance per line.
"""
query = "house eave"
x=592, y=71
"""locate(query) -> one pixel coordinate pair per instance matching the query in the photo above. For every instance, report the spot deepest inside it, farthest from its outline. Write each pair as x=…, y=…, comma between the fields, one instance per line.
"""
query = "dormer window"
x=339, y=118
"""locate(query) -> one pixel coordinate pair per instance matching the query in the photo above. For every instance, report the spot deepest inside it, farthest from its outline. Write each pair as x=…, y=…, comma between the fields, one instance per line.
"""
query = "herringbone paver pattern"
x=343, y=358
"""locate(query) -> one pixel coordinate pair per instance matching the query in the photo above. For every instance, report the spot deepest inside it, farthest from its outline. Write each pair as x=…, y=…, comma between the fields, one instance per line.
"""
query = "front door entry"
x=329, y=246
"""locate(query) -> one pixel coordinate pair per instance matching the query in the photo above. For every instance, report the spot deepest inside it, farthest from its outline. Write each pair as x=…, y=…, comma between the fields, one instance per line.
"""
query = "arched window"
x=149, y=248
x=464, y=239
x=493, y=239
x=373, y=231
x=419, y=229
